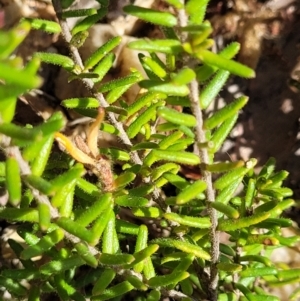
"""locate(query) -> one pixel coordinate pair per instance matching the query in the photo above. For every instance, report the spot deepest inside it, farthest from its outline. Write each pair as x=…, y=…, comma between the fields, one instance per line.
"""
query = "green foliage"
x=96, y=240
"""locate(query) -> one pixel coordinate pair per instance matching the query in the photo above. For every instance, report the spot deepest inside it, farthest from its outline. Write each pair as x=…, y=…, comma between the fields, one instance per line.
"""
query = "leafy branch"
x=105, y=238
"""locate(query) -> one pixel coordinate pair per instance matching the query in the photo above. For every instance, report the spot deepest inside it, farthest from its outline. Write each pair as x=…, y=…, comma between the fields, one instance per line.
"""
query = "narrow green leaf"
x=103, y=281
x=103, y=67
x=257, y=258
x=41, y=159
x=86, y=255
x=150, y=15
x=164, y=46
x=115, y=259
x=250, y=192
x=66, y=3
x=194, y=222
x=143, y=255
x=40, y=184
x=226, y=209
x=226, y=249
x=56, y=59
x=221, y=133
x=142, y=190
x=63, y=198
x=204, y=72
x=45, y=25
x=21, y=274
x=44, y=216
x=156, y=68
x=114, y=291
x=13, y=181
x=222, y=166
x=154, y=295
x=44, y=244
x=162, y=169
x=131, y=201
x=87, y=22
x=110, y=243
x=151, y=212
x=288, y=274
x=229, y=267
x=176, y=180
x=101, y=52
x=183, y=246
x=230, y=177
x=13, y=286
x=165, y=280
x=172, y=156
x=235, y=224
x=266, y=207
x=64, y=289
x=142, y=119
x=281, y=206
x=196, y=9
x=170, y=139
x=20, y=214
x=278, y=177
x=148, y=270
x=87, y=187
x=275, y=222
x=225, y=113
x=75, y=229
x=126, y=227
x=268, y=168
x=26, y=234
x=190, y=192
x=115, y=153
x=141, y=243
x=137, y=283
x=59, y=266
x=93, y=211
x=99, y=225
x=79, y=39
x=144, y=100
x=176, y=3
x=124, y=179
x=176, y=117
x=19, y=133
x=258, y=272
x=211, y=91
x=233, y=67
x=75, y=13
x=116, y=83
x=144, y=145
x=166, y=88
x=74, y=173
x=84, y=102
x=227, y=193
x=184, y=76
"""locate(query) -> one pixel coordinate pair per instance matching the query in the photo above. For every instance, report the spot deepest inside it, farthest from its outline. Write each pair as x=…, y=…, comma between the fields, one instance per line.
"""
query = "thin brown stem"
x=204, y=157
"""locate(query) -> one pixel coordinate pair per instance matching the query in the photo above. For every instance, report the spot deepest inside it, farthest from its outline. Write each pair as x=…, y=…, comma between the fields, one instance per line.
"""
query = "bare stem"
x=210, y=193
x=203, y=153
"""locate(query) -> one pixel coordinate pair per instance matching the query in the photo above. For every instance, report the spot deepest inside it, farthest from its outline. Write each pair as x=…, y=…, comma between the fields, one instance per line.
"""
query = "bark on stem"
x=203, y=154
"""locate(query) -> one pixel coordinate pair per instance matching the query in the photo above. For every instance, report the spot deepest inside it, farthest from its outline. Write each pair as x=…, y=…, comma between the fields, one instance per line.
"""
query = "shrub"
x=125, y=236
